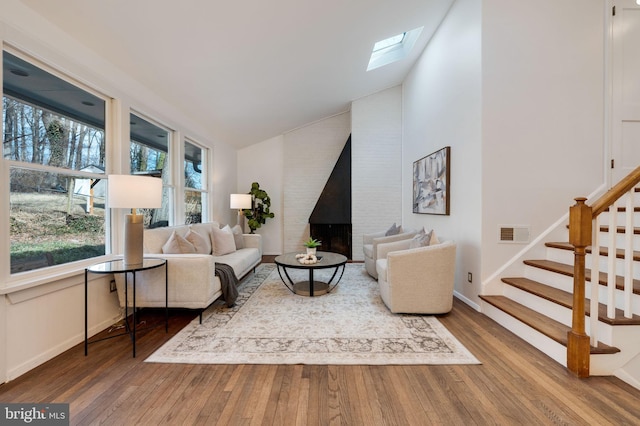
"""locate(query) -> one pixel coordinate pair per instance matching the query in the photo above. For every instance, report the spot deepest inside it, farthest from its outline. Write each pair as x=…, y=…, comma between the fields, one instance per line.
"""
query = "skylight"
x=393, y=48
x=388, y=42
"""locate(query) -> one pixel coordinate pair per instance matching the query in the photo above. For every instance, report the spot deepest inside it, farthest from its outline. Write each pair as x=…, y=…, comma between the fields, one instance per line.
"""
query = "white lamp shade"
x=134, y=192
x=240, y=201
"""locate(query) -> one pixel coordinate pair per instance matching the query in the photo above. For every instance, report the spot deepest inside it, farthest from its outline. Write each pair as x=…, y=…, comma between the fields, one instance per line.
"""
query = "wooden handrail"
x=616, y=191
x=581, y=217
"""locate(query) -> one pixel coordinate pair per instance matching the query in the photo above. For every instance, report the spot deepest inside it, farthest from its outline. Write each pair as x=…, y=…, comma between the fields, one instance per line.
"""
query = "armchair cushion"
x=373, y=240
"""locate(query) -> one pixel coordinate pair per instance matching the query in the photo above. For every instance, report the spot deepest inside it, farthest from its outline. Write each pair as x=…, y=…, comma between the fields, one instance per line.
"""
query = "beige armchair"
x=370, y=244
x=417, y=280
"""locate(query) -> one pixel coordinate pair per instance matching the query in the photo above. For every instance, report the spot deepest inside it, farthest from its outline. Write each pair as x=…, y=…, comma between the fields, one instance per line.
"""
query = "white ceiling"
x=249, y=70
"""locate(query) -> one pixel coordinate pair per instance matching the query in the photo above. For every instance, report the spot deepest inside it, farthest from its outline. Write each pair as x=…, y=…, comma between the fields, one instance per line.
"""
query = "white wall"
x=263, y=163
x=516, y=89
x=224, y=183
x=376, y=175
x=39, y=323
x=542, y=104
x=442, y=107
x=310, y=153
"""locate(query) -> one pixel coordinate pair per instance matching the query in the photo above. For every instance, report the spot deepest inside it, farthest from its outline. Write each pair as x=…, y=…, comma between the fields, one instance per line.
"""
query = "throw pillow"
x=394, y=230
x=421, y=239
x=222, y=241
x=434, y=240
x=237, y=236
x=177, y=245
x=201, y=244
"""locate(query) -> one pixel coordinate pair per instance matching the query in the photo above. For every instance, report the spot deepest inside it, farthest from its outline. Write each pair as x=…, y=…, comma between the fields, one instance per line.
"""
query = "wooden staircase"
x=538, y=305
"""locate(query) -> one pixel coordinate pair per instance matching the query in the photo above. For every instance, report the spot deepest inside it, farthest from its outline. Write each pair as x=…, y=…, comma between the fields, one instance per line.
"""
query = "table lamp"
x=134, y=192
x=240, y=202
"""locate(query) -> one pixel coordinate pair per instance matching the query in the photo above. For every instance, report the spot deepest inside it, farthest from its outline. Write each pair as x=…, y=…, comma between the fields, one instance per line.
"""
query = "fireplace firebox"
x=330, y=221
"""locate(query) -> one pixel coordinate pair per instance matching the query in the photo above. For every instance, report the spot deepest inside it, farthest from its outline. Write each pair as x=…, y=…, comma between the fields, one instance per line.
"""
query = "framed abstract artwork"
x=431, y=183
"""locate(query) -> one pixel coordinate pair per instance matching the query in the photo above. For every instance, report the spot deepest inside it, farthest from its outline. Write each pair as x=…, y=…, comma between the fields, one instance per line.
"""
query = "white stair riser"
x=549, y=278
x=567, y=257
x=549, y=346
x=621, y=217
x=565, y=283
x=626, y=339
x=620, y=240
x=619, y=297
x=556, y=312
x=538, y=304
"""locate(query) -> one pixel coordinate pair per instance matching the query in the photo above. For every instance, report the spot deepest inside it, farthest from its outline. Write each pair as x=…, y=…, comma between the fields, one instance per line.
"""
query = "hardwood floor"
x=516, y=384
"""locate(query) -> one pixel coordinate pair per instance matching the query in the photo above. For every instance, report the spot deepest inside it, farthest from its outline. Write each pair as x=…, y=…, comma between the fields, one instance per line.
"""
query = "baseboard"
x=466, y=300
x=627, y=378
x=53, y=352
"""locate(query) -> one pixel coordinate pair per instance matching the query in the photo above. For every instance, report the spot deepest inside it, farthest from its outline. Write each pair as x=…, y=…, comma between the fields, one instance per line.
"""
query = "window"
x=194, y=181
x=393, y=49
x=54, y=148
x=149, y=155
x=389, y=42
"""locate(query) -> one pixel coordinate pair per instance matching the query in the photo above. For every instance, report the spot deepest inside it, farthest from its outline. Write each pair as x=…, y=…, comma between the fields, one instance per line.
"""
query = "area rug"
x=350, y=325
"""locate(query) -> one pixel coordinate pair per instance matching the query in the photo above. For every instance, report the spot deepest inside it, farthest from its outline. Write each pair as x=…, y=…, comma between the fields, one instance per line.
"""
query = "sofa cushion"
x=237, y=236
x=368, y=250
x=240, y=260
x=222, y=241
x=421, y=239
x=393, y=230
x=381, y=269
x=202, y=244
x=434, y=239
x=177, y=244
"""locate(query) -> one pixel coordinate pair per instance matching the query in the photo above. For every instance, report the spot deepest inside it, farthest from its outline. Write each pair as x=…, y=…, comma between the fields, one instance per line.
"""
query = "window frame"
x=204, y=179
x=35, y=277
x=169, y=185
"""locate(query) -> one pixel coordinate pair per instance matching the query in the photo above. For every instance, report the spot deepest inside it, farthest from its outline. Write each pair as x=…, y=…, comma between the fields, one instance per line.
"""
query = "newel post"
x=578, y=345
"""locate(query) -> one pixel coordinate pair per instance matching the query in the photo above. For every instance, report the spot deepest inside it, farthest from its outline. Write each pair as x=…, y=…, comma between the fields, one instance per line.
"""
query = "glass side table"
x=118, y=266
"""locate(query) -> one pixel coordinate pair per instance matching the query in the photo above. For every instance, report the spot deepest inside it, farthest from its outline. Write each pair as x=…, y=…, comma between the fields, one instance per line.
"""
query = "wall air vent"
x=513, y=234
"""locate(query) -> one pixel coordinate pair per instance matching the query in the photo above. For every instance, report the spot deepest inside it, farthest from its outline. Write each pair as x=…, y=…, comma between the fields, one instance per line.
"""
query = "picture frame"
x=432, y=183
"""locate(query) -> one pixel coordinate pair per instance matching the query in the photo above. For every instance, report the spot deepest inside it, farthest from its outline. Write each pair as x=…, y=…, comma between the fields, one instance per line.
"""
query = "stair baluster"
x=595, y=273
x=628, y=255
x=581, y=218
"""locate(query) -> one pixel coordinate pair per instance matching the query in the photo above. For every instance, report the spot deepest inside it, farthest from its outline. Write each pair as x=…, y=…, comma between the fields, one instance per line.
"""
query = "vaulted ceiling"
x=249, y=70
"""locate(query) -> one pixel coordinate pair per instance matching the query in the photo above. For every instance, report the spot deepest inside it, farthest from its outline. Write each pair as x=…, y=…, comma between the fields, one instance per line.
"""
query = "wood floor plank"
x=515, y=384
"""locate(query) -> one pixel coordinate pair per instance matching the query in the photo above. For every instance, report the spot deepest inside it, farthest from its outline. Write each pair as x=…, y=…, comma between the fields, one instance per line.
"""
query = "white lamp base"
x=133, y=234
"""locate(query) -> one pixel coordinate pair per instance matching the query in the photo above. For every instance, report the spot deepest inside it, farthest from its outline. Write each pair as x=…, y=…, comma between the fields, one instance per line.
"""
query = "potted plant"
x=259, y=212
x=312, y=244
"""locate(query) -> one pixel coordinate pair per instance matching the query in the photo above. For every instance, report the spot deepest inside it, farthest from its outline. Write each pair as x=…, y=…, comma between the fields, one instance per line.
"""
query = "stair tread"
x=564, y=269
x=565, y=299
x=604, y=251
x=545, y=325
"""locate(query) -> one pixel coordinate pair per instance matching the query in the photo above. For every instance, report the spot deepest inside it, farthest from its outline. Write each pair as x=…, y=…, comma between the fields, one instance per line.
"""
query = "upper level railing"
x=584, y=231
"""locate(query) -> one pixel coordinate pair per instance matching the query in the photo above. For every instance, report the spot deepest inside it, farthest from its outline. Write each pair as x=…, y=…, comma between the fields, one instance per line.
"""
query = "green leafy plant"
x=312, y=243
x=259, y=213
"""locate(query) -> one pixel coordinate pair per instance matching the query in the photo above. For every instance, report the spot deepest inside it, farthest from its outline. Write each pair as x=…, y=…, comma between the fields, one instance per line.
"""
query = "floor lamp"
x=134, y=192
x=240, y=202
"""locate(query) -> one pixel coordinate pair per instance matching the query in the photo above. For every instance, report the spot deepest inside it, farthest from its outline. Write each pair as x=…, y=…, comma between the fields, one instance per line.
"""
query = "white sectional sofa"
x=191, y=276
